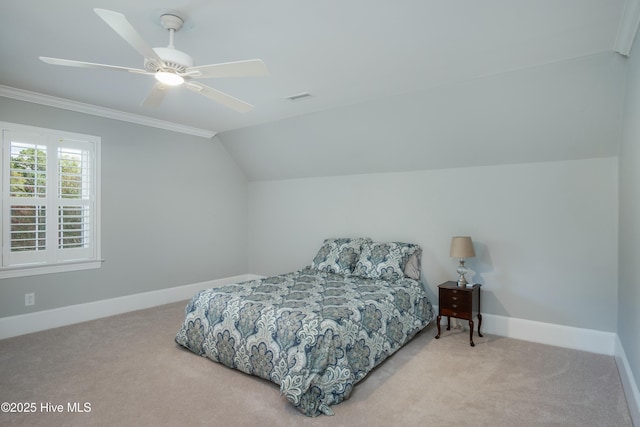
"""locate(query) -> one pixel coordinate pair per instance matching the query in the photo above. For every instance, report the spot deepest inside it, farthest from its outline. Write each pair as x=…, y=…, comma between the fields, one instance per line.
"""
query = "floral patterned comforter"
x=316, y=334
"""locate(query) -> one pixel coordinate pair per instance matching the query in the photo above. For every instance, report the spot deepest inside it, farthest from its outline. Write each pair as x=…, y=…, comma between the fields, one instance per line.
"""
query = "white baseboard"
x=548, y=333
x=47, y=319
x=628, y=383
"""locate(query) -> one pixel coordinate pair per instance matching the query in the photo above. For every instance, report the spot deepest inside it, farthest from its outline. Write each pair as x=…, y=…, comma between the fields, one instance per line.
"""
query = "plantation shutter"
x=49, y=197
x=75, y=205
x=25, y=227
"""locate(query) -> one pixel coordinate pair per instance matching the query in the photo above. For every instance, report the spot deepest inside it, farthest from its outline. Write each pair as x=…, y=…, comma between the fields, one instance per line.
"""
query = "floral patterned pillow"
x=338, y=255
x=387, y=260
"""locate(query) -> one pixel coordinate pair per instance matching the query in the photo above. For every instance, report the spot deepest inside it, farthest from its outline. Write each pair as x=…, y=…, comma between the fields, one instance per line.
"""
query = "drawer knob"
x=454, y=314
x=454, y=305
x=454, y=298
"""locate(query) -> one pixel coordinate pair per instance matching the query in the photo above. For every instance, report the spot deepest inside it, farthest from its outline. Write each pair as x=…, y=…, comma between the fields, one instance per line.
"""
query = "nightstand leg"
x=471, y=333
x=479, y=324
x=448, y=323
x=438, y=324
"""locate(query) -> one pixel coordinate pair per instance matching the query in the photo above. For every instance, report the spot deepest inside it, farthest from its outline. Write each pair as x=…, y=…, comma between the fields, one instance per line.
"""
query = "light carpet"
x=129, y=372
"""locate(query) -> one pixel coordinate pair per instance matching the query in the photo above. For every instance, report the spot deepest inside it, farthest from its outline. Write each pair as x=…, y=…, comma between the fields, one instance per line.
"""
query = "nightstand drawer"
x=456, y=300
x=459, y=313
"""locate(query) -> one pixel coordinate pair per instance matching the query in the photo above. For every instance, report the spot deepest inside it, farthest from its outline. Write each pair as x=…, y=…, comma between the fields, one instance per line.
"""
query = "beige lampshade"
x=462, y=247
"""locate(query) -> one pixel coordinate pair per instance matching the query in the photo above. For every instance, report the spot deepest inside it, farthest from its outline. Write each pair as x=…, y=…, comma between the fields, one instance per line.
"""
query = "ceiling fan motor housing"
x=172, y=60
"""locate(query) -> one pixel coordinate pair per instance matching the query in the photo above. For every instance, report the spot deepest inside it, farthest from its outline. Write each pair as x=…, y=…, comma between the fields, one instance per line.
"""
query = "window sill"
x=33, y=270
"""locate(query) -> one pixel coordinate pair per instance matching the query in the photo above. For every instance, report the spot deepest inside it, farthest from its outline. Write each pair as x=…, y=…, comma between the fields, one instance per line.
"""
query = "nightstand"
x=459, y=302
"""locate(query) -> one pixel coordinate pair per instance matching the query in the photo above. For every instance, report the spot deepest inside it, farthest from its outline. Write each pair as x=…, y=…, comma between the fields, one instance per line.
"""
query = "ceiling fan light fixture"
x=168, y=78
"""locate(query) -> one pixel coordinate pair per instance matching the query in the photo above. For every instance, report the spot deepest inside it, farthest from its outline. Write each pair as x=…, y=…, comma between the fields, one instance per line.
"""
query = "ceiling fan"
x=171, y=67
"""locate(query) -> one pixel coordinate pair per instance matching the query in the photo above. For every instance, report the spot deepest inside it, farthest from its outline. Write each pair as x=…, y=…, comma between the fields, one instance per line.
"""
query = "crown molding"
x=628, y=27
x=81, y=107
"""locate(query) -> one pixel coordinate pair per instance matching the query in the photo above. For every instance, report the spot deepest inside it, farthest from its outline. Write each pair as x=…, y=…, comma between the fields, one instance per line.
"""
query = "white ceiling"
x=343, y=52
x=568, y=110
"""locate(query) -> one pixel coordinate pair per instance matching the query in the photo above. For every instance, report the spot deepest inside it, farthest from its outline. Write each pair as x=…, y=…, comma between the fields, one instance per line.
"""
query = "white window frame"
x=53, y=259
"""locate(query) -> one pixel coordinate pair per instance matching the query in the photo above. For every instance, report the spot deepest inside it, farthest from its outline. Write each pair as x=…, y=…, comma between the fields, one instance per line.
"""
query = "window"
x=50, y=201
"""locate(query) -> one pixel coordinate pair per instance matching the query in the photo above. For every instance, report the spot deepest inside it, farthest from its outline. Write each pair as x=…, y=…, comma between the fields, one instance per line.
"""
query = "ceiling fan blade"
x=251, y=67
x=220, y=97
x=155, y=96
x=82, y=64
x=118, y=22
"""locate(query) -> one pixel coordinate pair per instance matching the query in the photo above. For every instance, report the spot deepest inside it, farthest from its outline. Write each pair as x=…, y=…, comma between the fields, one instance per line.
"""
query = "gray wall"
x=174, y=212
x=546, y=234
x=629, y=291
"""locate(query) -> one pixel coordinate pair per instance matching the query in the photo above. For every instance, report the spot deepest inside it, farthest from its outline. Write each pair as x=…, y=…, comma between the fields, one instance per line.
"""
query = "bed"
x=317, y=331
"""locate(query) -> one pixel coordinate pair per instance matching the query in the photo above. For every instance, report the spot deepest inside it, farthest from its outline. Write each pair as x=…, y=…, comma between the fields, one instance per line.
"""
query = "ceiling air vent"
x=299, y=96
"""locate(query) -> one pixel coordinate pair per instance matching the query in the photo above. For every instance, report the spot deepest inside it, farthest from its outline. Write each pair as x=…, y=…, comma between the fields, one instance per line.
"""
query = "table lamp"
x=461, y=248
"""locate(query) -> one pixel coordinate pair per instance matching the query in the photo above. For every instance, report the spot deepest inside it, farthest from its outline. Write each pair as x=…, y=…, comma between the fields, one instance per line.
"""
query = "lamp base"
x=462, y=270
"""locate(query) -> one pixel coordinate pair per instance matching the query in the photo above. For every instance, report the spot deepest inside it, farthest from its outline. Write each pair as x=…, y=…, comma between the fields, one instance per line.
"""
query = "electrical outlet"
x=29, y=299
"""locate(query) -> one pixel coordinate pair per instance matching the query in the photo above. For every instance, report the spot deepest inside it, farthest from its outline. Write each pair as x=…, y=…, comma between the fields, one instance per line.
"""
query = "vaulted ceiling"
x=436, y=73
